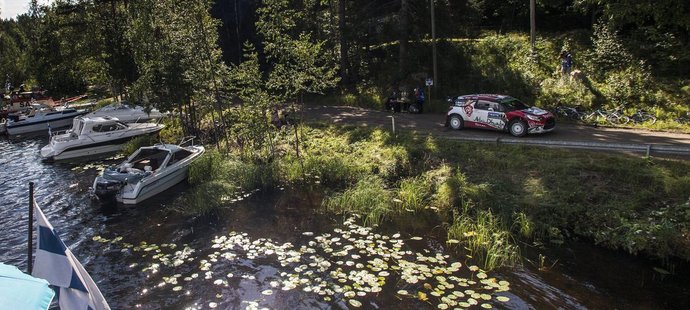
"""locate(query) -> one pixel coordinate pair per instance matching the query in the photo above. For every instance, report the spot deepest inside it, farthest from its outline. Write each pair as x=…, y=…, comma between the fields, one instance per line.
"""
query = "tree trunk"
x=344, y=48
x=404, y=31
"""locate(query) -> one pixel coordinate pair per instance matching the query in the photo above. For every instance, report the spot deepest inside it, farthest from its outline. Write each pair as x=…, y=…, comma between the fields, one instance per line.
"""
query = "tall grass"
x=486, y=237
x=368, y=198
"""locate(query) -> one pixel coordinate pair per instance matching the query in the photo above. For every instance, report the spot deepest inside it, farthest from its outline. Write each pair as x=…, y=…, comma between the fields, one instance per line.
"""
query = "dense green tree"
x=299, y=63
x=178, y=60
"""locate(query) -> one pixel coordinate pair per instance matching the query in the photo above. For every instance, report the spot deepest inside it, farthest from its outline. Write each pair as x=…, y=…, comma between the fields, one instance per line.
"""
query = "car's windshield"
x=513, y=104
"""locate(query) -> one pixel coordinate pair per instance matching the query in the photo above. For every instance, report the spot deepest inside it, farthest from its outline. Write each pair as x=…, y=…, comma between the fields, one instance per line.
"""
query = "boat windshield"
x=149, y=157
x=78, y=126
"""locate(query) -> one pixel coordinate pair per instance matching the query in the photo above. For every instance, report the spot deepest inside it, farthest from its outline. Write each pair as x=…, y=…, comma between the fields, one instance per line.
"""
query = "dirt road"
x=567, y=135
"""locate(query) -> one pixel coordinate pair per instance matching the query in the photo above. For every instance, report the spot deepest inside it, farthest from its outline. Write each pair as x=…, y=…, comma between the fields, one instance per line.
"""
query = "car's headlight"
x=533, y=117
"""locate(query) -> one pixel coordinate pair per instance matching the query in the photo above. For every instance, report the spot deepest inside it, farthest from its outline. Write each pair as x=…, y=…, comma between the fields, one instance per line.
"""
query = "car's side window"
x=482, y=105
x=496, y=107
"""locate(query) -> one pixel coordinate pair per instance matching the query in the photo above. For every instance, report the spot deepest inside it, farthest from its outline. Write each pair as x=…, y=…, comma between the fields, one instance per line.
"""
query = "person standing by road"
x=419, y=98
x=566, y=62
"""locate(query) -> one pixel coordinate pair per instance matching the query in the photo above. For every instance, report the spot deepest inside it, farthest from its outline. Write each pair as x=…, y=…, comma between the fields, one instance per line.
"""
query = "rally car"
x=498, y=112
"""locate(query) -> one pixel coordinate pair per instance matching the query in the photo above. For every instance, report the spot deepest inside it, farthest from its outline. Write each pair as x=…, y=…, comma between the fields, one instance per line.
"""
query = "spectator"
x=419, y=97
x=566, y=62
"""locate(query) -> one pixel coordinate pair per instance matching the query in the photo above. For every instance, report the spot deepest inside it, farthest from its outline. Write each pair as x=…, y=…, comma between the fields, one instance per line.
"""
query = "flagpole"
x=31, y=226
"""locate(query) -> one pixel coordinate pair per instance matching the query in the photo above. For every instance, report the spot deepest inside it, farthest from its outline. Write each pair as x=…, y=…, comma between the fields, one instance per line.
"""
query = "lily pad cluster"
x=350, y=266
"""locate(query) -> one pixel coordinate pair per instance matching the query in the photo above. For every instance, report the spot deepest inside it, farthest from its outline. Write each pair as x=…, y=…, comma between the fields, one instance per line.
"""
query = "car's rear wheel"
x=456, y=122
x=518, y=128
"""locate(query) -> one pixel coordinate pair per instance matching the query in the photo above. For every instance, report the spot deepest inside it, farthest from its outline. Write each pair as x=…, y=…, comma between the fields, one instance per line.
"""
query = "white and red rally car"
x=498, y=112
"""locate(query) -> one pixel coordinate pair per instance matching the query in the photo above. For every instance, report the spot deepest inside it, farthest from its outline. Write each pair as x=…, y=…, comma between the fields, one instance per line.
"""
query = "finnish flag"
x=55, y=263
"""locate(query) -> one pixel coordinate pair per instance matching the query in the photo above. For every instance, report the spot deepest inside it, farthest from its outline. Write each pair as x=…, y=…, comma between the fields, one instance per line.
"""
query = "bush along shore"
x=486, y=197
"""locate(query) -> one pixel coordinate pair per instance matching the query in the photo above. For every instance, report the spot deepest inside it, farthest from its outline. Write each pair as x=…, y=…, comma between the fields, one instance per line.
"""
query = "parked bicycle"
x=683, y=119
x=614, y=117
x=642, y=116
x=568, y=112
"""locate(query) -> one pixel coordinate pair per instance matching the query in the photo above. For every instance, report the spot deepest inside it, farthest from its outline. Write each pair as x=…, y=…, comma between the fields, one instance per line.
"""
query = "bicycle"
x=642, y=116
x=683, y=119
x=613, y=117
x=568, y=112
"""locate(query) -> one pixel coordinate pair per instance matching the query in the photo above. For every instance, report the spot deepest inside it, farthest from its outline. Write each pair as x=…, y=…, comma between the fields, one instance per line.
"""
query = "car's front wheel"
x=456, y=122
x=518, y=128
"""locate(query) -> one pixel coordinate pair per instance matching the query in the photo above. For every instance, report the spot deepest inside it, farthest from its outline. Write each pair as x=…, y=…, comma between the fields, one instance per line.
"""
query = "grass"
x=501, y=193
x=486, y=237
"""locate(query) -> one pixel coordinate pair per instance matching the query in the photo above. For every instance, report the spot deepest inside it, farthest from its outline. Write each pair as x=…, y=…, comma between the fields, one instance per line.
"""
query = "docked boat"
x=127, y=113
x=24, y=100
x=147, y=172
x=93, y=136
x=41, y=119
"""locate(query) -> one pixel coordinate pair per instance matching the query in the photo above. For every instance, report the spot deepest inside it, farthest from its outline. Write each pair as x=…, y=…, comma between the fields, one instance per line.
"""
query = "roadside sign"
x=429, y=82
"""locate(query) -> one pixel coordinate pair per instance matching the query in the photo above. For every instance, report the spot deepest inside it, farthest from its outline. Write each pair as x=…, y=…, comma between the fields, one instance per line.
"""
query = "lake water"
x=274, y=250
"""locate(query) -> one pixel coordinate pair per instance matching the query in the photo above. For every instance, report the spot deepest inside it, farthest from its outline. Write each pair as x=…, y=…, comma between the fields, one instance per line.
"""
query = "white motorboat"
x=41, y=119
x=94, y=135
x=127, y=113
x=146, y=173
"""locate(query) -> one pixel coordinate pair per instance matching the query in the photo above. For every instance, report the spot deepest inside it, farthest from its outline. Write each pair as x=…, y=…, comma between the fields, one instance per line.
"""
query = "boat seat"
x=147, y=162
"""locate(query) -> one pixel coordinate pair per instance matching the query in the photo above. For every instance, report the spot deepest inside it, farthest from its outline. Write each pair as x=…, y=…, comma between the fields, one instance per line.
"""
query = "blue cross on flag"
x=55, y=263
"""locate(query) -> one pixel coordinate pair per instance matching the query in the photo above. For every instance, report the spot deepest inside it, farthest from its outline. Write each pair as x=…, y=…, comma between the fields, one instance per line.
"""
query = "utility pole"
x=533, y=25
x=433, y=43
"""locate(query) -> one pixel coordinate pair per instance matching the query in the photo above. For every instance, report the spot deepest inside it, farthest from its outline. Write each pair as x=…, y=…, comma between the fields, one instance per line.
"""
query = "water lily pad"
x=486, y=306
x=422, y=296
x=355, y=303
x=502, y=298
x=267, y=292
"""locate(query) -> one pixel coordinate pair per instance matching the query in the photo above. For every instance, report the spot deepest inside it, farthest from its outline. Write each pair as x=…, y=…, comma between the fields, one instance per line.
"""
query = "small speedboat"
x=147, y=172
x=41, y=119
x=94, y=135
x=127, y=113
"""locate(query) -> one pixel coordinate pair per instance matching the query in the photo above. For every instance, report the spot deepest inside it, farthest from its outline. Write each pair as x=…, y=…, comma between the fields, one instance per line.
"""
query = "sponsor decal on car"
x=468, y=110
x=495, y=115
x=536, y=111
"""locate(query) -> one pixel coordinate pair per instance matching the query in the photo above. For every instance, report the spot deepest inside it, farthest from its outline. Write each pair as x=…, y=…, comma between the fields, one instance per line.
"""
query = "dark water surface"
x=273, y=251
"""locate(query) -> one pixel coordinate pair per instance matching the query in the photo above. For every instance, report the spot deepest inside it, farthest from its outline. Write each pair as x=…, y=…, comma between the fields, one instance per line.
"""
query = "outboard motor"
x=107, y=189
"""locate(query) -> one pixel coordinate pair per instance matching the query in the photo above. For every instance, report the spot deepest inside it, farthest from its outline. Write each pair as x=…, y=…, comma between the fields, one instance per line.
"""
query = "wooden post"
x=31, y=227
x=393, y=124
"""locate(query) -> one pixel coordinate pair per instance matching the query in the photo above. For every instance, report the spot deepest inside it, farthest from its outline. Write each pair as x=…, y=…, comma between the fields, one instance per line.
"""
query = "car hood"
x=535, y=111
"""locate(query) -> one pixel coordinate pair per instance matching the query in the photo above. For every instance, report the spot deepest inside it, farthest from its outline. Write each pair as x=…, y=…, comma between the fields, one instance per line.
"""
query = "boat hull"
x=133, y=194
x=84, y=152
x=22, y=127
x=52, y=152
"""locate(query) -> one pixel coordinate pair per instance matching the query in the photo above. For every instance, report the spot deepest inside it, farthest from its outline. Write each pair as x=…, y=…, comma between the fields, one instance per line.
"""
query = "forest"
x=207, y=58
x=223, y=67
